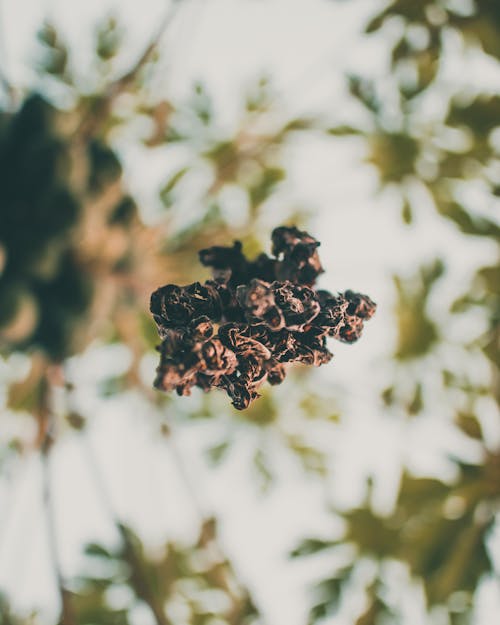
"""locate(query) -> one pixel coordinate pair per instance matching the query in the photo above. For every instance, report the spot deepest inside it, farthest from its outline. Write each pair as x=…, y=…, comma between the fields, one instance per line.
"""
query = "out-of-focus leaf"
x=56, y=55
x=259, y=95
x=262, y=469
x=311, y=459
x=328, y=597
x=417, y=333
x=327, y=594
x=25, y=394
x=364, y=91
x=299, y=124
x=483, y=30
x=343, y=131
x=263, y=412
x=169, y=186
x=109, y=39
x=217, y=453
x=376, y=23
x=394, y=155
x=376, y=612
x=8, y=618
x=481, y=115
x=491, y=346
x=112, y=386
x=94, y=549
x=406, y=212
x=268, y=180
x=309, y=546
x=387, y=395
x=426, y=64
x=469, y=424
x=225, y=158
x=202, y=103
x=435, y=528
x=468, y=224
x=372, y=534
x=417, y=402
x=490, y=277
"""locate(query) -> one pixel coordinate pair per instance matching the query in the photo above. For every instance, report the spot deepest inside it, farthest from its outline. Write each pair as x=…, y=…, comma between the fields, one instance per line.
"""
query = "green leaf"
x=55, y=59
x=109, y=39
x=482, y=115
x=261, y=190
x=169, y=186
x=201, y=103
x=393, y=154
x=312, y=459
x=327, y=594
x=217, y=453
x=364, y=91
x=94, y=549
x=467, y=223
x=263, y=470
x=469, y=424
x=417, y=333
x=299, y=124
x=406, y=212
x=417, y=402
x=310, y=546
x=343, y=131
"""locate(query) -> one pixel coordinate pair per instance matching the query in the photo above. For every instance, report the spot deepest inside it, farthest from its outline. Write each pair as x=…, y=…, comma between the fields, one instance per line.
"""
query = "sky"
x=306, y=46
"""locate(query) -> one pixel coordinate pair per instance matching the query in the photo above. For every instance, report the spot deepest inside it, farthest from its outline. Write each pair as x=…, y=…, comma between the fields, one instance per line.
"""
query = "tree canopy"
x=81, y=253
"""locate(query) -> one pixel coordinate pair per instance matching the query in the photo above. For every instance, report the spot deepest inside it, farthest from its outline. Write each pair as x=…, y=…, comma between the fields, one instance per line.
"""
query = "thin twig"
x=240, y=595
x=118, y=85
x=45, y=417
x=138, y=575
x=101, y=109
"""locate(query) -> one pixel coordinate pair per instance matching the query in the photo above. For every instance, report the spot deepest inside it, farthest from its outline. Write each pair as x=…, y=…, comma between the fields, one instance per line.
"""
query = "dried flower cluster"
x=242, y=328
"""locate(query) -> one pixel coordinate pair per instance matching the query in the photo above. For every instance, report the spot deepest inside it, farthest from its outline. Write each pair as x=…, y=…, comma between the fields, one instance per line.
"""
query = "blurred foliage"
x=179, y=585
x=417, y=333
x=79, y=257
x=438, y=530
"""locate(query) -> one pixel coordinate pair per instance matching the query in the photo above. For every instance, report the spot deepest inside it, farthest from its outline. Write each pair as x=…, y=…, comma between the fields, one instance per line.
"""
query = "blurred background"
x=134, y=134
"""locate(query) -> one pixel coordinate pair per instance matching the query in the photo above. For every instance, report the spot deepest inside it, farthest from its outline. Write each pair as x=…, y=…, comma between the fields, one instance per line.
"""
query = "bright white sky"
x=306, y=45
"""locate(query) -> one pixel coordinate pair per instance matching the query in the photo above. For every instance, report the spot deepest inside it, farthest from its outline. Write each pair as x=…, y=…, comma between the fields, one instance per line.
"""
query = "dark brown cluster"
x=242, y=327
